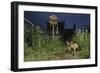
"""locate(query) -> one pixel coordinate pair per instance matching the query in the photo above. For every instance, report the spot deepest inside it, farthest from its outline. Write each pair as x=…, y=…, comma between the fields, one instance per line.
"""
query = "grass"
x=52, y=50
x=46, y=48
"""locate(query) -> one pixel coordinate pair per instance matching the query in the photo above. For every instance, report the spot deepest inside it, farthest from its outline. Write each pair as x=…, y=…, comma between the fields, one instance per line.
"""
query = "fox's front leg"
x=68, y=48
x=74, y=49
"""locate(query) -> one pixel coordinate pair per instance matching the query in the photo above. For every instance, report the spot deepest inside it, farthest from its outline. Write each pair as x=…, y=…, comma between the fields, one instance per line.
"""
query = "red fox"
x=72, y=46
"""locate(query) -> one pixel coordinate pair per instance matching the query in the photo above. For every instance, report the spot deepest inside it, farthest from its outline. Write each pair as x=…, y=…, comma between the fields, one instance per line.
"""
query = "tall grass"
x=43, y=46
x=83, y=40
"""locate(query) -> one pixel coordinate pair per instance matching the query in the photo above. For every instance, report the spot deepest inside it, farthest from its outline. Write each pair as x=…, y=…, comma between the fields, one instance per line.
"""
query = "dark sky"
x=41, y=18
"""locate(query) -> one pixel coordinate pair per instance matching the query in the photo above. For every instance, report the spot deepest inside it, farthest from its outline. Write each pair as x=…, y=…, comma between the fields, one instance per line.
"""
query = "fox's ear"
x=67, y=42
x=71, y=42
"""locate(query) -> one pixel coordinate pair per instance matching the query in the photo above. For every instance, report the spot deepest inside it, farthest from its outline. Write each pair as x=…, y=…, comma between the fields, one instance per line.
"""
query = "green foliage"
x=43, y=46
x=39, y=46
x=55, y=44
x=43, y=41
x=36, y=37
x=28, y=34
x=83, y=40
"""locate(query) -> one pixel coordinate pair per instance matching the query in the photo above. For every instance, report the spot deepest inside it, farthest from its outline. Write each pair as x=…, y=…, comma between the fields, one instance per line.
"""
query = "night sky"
x=41, y=18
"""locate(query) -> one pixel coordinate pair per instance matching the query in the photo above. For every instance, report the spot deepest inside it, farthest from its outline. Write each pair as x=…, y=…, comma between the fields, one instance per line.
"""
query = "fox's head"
x=69, y=43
